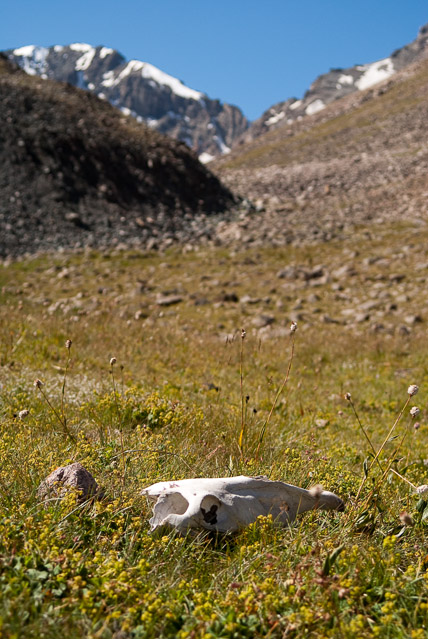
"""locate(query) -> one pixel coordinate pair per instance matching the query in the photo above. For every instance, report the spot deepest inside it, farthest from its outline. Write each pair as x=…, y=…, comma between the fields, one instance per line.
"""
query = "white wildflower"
x=316, y=491
x=422, y=490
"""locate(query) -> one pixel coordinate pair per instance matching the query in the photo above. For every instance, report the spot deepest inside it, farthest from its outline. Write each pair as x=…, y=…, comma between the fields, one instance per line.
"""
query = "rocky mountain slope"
x=207, y=126
x=336, y=84
x=362, y=160
x=74, y=171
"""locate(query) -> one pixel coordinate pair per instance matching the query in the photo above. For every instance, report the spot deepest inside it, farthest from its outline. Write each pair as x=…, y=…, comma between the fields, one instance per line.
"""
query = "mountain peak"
x=141, y=90
x=336, y=84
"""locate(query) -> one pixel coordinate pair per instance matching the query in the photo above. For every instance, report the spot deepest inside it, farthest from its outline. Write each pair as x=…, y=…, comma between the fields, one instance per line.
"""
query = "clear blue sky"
x=252, y=53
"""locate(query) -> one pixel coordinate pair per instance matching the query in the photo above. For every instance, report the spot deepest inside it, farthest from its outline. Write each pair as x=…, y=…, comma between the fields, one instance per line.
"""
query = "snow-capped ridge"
x=141, y=90
x=336, y=84
x=176, y=86
x=150, y=72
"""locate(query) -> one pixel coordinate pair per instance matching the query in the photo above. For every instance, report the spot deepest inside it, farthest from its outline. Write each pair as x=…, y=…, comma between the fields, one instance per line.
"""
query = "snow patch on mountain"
x=346, y=79
x=374, y=73
x=80, y=47
x=205, y=157
x=33, y=57
x=85, y=61
x=176, y=86
x=314, y=107
x=104, y=52
x=222, y=146
x=276, y=117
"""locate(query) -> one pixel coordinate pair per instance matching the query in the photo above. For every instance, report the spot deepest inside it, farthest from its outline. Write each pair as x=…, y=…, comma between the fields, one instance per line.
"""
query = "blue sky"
x=252, y=53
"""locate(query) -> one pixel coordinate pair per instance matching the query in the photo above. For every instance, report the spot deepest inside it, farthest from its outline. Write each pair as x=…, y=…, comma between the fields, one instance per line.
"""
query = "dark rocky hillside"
x=208, y=126
x=74, y=172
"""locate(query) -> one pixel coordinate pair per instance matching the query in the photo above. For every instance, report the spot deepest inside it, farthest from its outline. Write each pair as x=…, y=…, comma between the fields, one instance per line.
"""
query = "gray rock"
x=74, y=477
x=168, y=300
x=315, y=272
x=377, y=327
x=329, y=320
x=247, y=299
x=321, y=423
x=403, y=330
x=345, y=271
x=369, y=305
x=262, y=320
x=288, y=273
x=361, y=317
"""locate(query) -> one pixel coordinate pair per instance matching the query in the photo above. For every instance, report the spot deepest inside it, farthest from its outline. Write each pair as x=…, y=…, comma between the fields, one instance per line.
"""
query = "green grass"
x=172, y=409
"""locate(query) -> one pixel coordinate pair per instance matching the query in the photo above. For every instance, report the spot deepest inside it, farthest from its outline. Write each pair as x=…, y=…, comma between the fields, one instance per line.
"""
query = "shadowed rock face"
x=65, y=478
x=75, y=172
x=205, y=125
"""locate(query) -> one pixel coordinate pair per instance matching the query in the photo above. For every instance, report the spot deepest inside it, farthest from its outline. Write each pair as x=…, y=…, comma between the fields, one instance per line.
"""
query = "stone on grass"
x=168, y=300
x=321, y=423
x=65, y=478
x=262, y=320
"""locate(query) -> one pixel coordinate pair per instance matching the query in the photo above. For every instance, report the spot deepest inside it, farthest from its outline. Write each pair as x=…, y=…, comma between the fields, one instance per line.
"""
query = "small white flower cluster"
x=412, y=390
x=316, y=491
x=422, y=490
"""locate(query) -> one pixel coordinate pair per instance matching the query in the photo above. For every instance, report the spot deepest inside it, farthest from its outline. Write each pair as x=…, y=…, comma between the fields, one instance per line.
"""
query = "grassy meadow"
x=184, y=386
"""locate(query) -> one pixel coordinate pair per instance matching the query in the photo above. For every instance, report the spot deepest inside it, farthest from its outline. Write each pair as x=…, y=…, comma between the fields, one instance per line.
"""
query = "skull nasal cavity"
x=211, y=516
x=209, y=508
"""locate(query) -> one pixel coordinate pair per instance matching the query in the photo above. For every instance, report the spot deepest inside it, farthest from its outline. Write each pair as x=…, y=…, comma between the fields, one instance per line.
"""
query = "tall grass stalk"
x=363, y=430
x=241, y=384
x=119, y=415
x=391, y=458
x=62, y=419
x=68, y=344
x=391, y=430
x=279, y=392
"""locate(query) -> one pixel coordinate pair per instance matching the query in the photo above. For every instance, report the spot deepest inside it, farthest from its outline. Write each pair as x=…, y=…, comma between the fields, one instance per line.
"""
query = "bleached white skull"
x=230, y=503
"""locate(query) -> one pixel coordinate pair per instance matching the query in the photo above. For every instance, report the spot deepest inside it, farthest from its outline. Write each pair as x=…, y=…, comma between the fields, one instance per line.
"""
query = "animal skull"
x=230, y=503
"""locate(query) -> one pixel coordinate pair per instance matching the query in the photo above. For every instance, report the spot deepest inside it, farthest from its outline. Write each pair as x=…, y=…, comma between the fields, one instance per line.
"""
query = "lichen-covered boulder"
x=65, y=478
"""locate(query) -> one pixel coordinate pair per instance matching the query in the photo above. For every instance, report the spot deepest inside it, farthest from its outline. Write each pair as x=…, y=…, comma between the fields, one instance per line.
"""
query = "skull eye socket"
x=209, y=508
x=177, y=503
